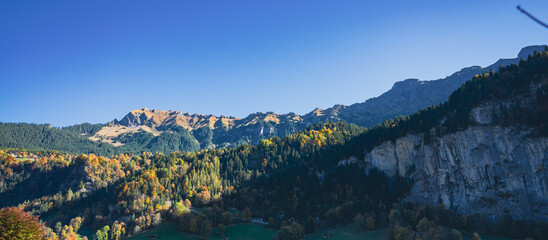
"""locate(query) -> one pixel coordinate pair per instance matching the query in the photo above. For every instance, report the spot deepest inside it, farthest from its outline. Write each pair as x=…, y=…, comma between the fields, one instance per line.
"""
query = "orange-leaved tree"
x=17, y=224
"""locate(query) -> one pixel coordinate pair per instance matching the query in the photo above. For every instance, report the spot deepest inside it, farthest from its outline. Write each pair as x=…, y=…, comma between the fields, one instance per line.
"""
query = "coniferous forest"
x=297, y=184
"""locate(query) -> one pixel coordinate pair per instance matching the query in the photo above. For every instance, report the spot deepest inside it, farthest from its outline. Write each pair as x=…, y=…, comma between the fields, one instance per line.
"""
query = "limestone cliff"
x=481, y=169
x=485, y=168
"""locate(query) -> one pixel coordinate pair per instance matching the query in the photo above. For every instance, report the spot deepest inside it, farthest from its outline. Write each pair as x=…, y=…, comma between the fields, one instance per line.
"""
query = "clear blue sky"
x=68, y=62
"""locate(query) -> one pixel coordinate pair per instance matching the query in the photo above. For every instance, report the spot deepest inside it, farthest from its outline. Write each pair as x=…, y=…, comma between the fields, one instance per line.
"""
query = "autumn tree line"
x=141, y=190
x=296, y=183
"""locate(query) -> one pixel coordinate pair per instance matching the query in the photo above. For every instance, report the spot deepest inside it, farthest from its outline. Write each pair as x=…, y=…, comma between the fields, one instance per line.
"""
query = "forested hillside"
x=44, y=136
x=299, y=183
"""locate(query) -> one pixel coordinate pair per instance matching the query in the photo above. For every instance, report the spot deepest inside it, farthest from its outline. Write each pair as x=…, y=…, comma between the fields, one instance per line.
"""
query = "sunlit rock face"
x=485, y=168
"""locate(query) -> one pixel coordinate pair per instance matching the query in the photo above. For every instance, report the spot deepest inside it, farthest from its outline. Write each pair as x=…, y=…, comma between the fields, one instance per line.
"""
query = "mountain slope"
x=168, y=131
x=46, y=137
x=408, y=96
x=485, y=151
x=207, y=130
x=405, y=97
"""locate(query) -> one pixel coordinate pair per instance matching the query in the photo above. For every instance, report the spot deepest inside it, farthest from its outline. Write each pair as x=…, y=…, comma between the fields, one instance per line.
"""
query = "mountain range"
x=167, y=131
x=404, y=98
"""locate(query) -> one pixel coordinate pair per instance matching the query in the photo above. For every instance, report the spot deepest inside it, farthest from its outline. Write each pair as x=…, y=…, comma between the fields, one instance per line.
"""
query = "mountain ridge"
x=169, y=131
x=404, y=98
x=410, y=95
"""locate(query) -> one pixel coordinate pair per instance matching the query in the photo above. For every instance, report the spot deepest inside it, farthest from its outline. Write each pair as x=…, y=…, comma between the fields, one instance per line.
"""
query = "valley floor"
x=250, y=231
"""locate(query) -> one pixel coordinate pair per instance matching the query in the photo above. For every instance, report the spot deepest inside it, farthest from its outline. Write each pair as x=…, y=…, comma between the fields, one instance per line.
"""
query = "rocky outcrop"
x=482, y=169
x=158, y=119
x=208, y=130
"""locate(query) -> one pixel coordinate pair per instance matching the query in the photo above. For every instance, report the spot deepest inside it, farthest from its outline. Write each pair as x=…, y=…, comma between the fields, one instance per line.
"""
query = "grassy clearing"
x=85, y=232
x=251, y=231
x=247, y=231
x=243, y=231
x=24, y=159
x=165, y=231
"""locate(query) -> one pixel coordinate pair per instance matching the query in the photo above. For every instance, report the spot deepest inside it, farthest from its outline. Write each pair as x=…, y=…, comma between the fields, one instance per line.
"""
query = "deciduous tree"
x=17, y=224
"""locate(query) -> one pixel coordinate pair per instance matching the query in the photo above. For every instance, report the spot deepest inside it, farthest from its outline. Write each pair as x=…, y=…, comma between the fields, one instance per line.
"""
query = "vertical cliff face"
x=485, y=168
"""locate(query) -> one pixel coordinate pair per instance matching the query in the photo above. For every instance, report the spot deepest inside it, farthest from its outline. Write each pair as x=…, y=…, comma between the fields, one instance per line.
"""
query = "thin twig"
x=532, y=17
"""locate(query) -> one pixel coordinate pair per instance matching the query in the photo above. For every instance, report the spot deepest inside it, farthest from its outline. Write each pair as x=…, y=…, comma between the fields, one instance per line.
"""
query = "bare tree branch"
x=532, y=17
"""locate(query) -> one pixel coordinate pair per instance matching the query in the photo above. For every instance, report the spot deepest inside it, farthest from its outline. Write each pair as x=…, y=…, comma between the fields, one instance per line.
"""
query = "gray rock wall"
x=483, y=169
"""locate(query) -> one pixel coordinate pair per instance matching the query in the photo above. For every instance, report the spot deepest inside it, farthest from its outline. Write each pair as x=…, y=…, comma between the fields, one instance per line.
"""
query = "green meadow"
x=243, y=231
x=250, y=231
x=247, y=231
x=85, y=232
